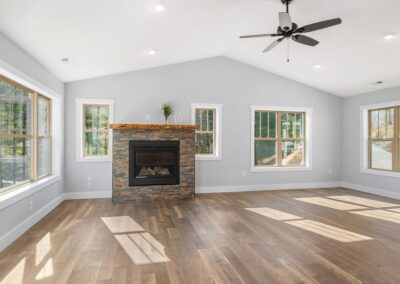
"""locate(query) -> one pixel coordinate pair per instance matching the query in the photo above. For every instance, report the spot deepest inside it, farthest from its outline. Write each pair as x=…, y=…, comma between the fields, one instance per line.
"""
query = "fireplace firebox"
x=153, y=162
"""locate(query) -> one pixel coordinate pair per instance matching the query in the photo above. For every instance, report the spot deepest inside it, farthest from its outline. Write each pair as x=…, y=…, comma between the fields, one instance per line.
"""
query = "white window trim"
x=57, y=122
x=308, y=139
x=364, y=139
x=218, y=116
x=79, y=130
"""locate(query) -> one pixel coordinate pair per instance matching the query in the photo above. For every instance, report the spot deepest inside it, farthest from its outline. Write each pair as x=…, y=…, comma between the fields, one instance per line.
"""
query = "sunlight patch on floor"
x=380, y=214
x=46, y=271
x=322, y=229
x=16, y=275
x=363, y=201
x=122, y=224
x=395, y=209
x=328, y=231
x=274, y=214
x=42, y=249
x=338, y=205
x=141, y=247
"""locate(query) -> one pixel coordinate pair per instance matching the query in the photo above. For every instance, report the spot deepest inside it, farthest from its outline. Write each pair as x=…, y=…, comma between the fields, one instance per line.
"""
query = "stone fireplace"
x=152, y=161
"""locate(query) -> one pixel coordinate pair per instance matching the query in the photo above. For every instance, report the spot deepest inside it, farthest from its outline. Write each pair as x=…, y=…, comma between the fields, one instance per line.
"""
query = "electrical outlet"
x=89, y=177
x=330, y=171
x=244, y=173
x=89, y=185
x=148, y=117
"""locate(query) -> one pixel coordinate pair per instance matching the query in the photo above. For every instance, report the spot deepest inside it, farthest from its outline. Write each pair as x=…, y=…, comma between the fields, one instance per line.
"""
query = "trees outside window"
x=207, y=117
x=25, y=135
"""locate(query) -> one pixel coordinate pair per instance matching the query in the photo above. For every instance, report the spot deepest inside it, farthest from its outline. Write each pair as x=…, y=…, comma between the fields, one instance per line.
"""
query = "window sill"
x=280, y=169
x=380, y=173
x=18, y=194
x=207, y=158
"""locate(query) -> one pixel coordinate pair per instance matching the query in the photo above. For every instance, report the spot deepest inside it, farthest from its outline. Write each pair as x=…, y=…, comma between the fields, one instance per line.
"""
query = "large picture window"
x=279, y=138
x=25, y=135
x=93, y=126
x=207, y=117
x=384, y=139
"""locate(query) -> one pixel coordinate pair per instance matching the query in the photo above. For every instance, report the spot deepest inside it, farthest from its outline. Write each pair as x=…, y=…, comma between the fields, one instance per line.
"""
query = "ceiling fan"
x=288, y=29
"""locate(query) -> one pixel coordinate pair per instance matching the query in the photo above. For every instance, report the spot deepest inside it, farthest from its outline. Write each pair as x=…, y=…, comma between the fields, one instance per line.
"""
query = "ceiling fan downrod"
x=287, y=3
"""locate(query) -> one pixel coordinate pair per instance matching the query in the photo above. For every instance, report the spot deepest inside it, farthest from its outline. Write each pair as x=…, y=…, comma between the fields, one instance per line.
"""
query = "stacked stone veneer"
x=121, y=191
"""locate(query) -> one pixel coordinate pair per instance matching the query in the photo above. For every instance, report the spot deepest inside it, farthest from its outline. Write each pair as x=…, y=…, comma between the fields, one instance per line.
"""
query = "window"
x=280, y=138
x=25, y=135
x=207, y=117
x=94, y=134
x=383, y=139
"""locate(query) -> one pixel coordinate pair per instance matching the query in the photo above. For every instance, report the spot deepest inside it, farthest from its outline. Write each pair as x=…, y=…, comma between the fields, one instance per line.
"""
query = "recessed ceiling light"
x=152, y=52
x=317, y=66
x=65, y=60
x=159, y=7
x=389, y=36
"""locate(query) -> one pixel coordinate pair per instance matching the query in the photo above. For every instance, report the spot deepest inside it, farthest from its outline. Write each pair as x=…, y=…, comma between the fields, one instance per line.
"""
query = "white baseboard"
x=87, y=195
x=372, y=190
x=265, y=187
x=22, y=227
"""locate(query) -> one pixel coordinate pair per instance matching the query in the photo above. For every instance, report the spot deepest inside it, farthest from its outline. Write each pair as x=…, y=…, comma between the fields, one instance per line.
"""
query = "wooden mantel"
x=153, y=126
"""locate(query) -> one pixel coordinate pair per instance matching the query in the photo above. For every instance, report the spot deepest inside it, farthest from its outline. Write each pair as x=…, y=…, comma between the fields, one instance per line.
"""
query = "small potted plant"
x=167, y=111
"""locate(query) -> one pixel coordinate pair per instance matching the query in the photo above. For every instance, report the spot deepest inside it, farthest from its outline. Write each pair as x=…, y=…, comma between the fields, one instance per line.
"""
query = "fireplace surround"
x=153, y=179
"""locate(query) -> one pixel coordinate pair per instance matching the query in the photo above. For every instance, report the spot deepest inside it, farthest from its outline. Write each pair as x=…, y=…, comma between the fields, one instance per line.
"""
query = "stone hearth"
x=124, y=133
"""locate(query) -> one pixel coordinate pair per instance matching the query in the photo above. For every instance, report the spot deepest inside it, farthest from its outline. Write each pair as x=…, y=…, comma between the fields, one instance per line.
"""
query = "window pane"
x=382, y=123
x=292, y=153
x=43, y=116
x=96, y=144
x=15, y=109
x=198, y=118
x=211, y=116
x=390, y=123
x=374, y=124
x=96, y=117
x=44, y=148
x=285, y=124
x=204, y=143
x=382, y=155
x=264, y=124
x=265, y=153
x=272, y=125
x=257, y=132
x=203, y=120
x=289, y=122
x=267, y=123
x=299, y=125
x=15, y=162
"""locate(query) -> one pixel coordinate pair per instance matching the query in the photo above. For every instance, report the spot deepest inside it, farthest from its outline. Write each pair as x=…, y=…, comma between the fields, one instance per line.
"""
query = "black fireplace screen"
x=153, y=162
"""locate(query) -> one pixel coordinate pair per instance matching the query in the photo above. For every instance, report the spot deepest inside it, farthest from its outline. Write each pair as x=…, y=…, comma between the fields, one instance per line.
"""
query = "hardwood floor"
x=296, y=236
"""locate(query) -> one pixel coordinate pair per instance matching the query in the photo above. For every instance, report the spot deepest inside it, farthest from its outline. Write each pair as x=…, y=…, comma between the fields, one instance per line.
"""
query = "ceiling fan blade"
x=273, y=45
x=305, y=40
x=260, y=35
x=285, y=21
x=319, y=26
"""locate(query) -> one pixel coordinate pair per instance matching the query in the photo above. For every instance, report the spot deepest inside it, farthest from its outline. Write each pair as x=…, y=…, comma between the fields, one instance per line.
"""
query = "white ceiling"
x=102, y=37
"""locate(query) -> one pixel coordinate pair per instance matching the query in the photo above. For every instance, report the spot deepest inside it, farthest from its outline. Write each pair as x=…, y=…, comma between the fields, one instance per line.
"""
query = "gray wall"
x=12, y=216
x=351, y=142
x=215, y=80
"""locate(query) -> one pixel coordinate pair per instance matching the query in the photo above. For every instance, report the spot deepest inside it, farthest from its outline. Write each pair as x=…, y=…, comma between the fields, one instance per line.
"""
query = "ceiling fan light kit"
x=290, y=30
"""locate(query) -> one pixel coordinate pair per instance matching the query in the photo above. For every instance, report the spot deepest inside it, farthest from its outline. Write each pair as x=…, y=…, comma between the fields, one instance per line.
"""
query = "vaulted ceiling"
x=101, y=37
